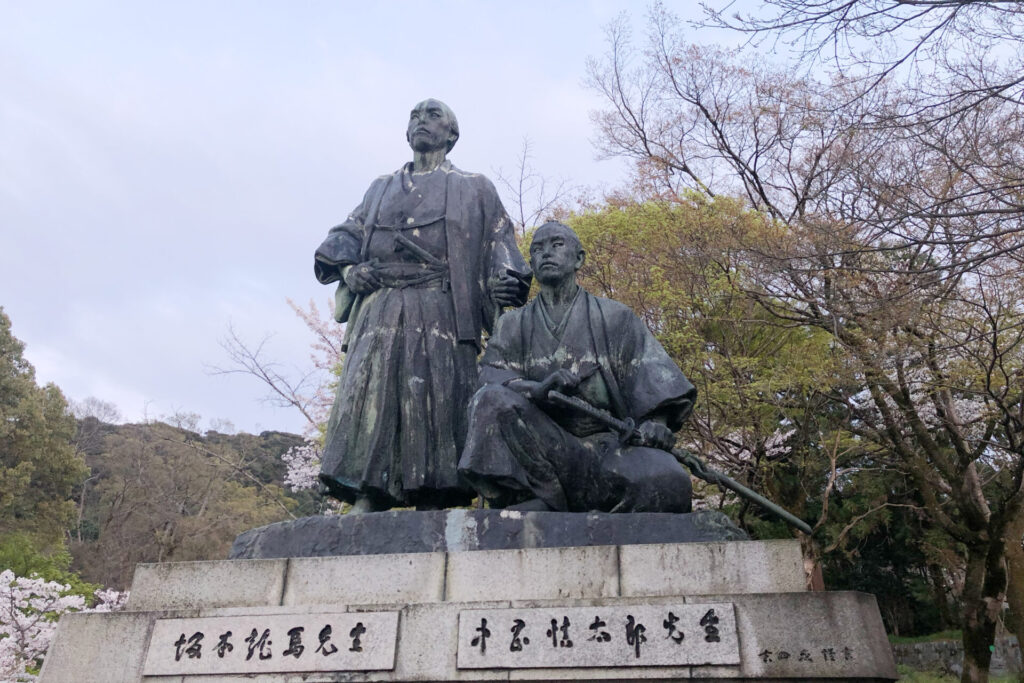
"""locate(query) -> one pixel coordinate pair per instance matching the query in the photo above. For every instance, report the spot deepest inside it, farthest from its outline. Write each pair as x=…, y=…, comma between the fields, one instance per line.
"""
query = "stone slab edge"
x=537, y=573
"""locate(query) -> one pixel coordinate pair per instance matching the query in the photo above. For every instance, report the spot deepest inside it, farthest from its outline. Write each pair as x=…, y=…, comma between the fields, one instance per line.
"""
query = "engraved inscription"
x=642, y=635
x=273, y=644
x=825, y=654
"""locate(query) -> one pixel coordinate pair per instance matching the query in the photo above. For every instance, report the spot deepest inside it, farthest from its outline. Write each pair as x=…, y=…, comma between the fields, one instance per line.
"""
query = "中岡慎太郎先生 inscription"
x=247, y=644
x=620, y=636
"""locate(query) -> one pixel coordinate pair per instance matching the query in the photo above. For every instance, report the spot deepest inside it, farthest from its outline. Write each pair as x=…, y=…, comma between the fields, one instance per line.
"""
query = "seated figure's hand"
x=562, y=380
x=504, y=290
x=656, y=435
x=362, y=278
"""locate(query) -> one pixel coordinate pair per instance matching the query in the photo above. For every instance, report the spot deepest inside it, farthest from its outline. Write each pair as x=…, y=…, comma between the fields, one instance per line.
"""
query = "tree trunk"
x=1015, y=586
x=984, y=591
x=811, y=551
x=939, y=591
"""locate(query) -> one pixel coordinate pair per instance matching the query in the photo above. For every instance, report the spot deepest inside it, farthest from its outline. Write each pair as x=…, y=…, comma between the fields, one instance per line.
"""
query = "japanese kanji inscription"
x=641, y=635
x=351, y=641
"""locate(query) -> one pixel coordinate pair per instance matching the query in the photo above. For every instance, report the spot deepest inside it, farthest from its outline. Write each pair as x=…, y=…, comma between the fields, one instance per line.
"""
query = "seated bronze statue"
x=527, y=450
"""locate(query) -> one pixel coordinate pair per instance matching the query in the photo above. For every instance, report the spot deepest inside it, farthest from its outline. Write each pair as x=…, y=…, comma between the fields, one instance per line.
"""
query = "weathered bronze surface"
x=409, y=531
x=424, y=265
x=530, y=452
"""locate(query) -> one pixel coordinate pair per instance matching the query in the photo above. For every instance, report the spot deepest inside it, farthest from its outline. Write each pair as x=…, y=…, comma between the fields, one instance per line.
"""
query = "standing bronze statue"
x=425, y=263
x=556, y=374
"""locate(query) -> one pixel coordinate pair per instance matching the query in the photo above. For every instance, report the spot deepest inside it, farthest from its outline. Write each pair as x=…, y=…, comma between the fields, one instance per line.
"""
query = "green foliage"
x=759, y=415
x=911, y=676
x=891, y=560
x=261, y=453
x=38, y=466
x=20, y=555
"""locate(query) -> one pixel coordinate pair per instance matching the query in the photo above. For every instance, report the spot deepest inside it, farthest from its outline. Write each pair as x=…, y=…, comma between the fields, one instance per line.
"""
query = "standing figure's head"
x=555, y=254
x=432, y=127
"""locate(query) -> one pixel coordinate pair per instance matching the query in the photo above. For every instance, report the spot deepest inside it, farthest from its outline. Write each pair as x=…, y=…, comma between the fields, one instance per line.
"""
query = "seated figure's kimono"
x=399, y=422
x=519, y=450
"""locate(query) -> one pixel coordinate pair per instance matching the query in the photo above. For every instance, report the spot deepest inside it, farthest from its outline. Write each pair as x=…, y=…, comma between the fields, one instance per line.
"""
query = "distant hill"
x=159, y=493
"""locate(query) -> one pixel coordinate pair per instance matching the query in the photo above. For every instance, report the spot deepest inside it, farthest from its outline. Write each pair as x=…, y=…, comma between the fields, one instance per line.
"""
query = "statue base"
x=658, y=612
x=408, y=531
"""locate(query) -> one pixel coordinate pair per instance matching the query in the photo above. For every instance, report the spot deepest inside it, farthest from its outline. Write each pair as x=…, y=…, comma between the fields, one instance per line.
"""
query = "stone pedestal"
x=667, y=611
x=404, y=531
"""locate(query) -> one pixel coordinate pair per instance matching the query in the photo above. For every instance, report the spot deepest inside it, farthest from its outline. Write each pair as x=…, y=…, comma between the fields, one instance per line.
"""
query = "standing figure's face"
x=554, y=255
x=430, y=128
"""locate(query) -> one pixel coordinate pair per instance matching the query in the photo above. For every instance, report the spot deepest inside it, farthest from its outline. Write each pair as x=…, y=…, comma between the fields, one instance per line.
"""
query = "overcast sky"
x=167, y=169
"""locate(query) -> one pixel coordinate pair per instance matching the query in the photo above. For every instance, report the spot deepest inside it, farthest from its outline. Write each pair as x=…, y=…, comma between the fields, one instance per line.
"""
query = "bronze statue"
x=425, y=263
x=532, y=447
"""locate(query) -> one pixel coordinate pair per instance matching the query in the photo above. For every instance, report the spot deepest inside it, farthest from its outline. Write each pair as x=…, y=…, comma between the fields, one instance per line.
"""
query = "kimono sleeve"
x=343, y=247
x=344, y=242
x=650, y=381
x=503, y=358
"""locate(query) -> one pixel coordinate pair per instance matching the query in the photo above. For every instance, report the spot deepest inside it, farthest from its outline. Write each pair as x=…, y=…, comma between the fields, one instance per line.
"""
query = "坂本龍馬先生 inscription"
x=353, y=641
x=640, y=635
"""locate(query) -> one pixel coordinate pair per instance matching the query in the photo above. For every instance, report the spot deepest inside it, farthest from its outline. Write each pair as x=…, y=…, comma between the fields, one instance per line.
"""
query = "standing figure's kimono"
x=399, y=420
x=519, y=449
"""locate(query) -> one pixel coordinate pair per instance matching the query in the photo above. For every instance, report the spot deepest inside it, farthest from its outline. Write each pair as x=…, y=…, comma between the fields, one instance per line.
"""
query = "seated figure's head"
x=432, y=127
x=555, y=253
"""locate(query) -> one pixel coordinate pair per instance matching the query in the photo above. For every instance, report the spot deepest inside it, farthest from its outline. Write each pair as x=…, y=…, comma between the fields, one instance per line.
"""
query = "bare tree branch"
x=284, y=391
x=535, y=198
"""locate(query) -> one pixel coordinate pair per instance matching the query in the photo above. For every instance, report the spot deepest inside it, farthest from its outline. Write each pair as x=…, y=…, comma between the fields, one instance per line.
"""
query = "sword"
x=418, y=251
x=627, y=430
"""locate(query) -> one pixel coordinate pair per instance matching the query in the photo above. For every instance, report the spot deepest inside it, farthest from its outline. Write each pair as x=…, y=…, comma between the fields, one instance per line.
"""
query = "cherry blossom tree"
x=303, y=466
x=29, y=610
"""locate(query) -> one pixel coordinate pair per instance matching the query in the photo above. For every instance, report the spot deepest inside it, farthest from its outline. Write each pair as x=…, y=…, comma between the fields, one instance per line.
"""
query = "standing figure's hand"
x=563, y=380
x=504, y=290
x=362, y=278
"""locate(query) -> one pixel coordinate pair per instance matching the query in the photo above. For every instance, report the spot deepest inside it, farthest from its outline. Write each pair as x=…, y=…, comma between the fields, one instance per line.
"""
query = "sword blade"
x=685, y=458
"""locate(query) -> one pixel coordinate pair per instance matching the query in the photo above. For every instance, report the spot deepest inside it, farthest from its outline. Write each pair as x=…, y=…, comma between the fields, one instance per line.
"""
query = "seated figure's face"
x=429, y=129
x=555, y=255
